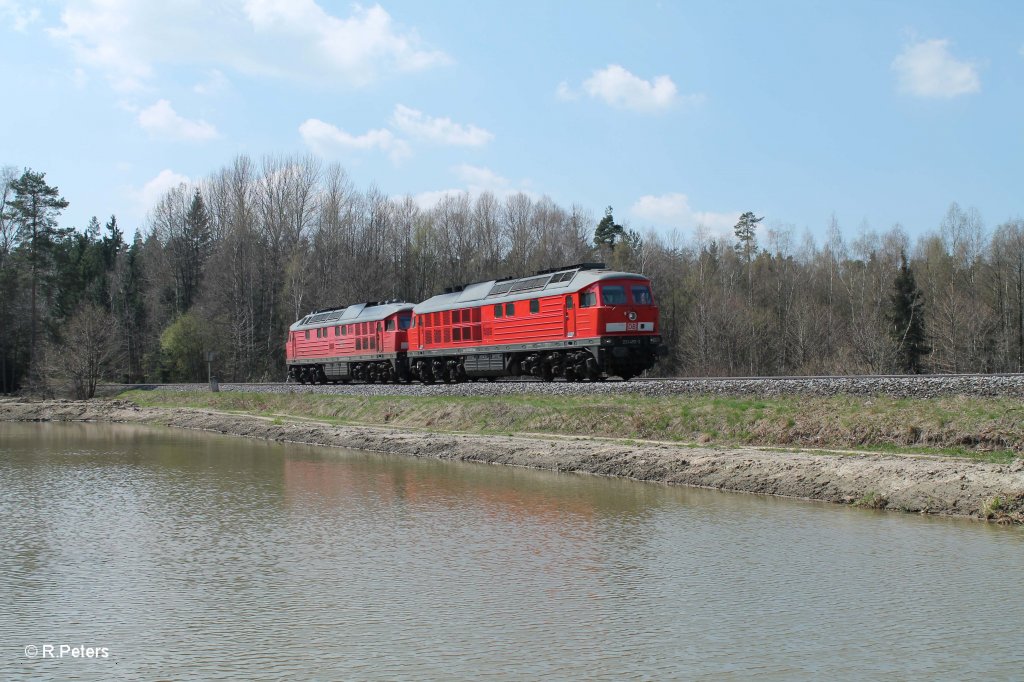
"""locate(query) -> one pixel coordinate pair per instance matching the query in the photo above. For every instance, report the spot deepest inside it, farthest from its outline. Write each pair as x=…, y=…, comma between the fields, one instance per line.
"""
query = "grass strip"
x=985, y=429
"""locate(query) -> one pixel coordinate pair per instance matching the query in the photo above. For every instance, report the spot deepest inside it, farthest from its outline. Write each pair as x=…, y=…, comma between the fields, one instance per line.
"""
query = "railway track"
x=909, y=386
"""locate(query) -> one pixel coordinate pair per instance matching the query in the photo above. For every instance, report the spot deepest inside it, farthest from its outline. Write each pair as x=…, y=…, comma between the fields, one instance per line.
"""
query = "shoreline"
x=941, y=486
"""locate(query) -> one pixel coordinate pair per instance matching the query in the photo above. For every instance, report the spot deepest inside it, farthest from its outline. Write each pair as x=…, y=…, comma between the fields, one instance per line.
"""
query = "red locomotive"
x=580, y=322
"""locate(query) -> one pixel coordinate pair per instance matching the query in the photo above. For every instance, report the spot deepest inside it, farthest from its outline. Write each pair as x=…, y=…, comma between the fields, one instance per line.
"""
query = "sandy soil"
x=908, y=483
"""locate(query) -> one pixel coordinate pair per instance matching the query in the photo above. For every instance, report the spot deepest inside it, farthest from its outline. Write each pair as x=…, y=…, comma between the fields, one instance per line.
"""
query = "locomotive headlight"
x=631, y=315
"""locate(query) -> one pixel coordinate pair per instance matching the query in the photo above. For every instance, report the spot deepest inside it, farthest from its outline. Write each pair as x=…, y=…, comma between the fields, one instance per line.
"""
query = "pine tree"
x=745, y=231
x=608, y=232
x=36, y=207
x=907, y=318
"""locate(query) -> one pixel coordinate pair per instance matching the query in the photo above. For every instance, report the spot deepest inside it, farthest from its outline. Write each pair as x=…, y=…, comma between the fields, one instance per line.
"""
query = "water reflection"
x=195, y=557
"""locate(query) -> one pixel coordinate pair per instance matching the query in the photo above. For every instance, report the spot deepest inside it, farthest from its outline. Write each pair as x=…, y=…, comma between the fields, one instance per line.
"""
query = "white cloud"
x=927, y=69
x=161, y=120
x=299, y=40
x=476, y=180
x=620, y=88
x=155, y=189
x=673, y=210
x=328, y=140
x=439, y=130
x=18, y=17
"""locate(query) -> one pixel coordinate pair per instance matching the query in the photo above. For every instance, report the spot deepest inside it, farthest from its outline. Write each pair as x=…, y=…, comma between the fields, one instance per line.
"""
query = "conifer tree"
x=36, y=207
x=608, y=232
x=908, y=332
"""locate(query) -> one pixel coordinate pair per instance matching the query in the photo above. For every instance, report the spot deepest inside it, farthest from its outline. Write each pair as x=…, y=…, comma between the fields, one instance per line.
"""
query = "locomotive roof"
x=360, y=312
x=500, y=291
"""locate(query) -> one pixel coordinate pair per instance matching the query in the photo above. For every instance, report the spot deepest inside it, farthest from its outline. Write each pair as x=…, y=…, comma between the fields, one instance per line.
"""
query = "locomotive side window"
x=307, y=334
x=568, y=302
x=510, y=309
x=390, y=326
x=534, y=305
x=641, y=294
x=497, y=310
x=613, y=294
x=588, y=299
x=344, y=329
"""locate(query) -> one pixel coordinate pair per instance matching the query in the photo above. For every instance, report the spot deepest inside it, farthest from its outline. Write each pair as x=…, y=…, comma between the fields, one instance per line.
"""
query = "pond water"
x=192, y=556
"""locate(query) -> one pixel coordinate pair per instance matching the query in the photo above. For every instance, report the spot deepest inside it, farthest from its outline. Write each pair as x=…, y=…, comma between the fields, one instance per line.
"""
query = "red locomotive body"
x=367, y=341
x=578, y=323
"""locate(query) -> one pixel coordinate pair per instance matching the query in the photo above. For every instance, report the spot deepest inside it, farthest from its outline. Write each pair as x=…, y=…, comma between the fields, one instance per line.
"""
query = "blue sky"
x=673, y=113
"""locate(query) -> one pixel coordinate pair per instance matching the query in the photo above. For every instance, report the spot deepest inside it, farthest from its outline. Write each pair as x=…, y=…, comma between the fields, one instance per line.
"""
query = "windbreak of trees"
x=226, y=265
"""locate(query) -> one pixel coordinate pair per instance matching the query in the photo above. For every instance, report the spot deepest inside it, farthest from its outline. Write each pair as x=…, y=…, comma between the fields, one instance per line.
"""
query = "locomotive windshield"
x=641, y=294
x=404, y=321
x=613, y=294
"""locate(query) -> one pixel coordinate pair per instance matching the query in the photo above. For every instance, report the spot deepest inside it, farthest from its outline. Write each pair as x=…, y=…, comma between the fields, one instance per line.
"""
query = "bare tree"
x=88, y=353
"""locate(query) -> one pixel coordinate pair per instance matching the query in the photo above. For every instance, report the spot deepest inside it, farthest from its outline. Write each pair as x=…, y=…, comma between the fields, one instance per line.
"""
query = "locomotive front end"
x=626, y=320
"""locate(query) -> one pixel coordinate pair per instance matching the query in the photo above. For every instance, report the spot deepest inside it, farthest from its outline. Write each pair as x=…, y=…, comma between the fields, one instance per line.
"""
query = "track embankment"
x=933, y=485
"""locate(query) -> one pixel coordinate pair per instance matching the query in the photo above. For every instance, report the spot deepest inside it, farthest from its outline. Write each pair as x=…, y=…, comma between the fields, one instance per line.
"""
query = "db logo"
x=631, y=326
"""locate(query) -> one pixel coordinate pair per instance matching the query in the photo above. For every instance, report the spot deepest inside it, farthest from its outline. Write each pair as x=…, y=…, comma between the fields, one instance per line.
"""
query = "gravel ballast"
x=931, y=485
x=918, y=386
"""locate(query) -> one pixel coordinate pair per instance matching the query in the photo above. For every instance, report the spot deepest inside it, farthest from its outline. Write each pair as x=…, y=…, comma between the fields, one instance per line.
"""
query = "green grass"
x=987, y=429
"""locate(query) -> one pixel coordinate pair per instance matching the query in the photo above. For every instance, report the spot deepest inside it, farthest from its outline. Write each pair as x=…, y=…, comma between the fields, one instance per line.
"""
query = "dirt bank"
x=914, y=484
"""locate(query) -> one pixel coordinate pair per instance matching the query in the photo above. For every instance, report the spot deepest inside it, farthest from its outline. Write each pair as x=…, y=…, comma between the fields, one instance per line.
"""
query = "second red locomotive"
x=580, y=322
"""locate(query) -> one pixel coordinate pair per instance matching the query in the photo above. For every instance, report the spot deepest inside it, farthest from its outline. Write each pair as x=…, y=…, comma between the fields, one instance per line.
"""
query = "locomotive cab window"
x=497, y=310
x=405, y=321
x=390, y=325
x=534, y=305
x=510, y=309
x=588, y=299
x=613, y=294
x=641, y=294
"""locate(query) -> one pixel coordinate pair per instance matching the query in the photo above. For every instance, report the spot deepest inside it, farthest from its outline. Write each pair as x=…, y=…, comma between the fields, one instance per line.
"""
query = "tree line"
x=226, y=264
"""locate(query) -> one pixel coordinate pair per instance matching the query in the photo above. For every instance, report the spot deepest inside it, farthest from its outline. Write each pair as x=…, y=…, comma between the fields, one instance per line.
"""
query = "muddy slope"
x=915, y=484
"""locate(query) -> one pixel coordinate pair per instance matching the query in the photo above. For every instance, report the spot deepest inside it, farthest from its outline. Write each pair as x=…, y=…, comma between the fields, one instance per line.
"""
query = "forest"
x=225, y=265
